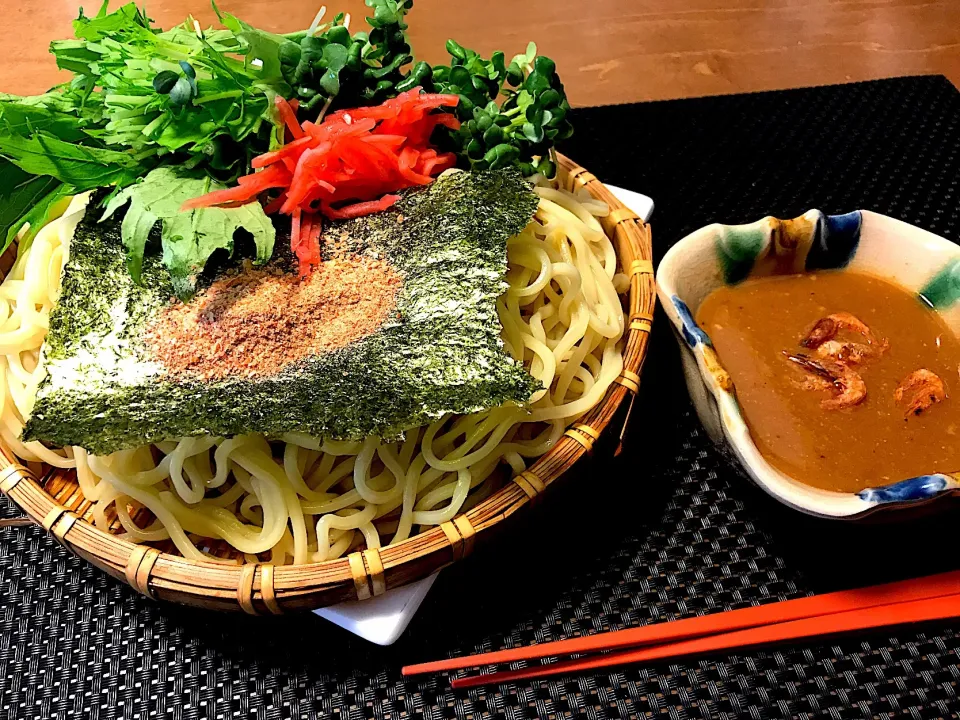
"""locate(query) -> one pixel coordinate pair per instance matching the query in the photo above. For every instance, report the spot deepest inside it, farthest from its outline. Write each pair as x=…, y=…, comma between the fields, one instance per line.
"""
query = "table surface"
x=608, y=51
x=667, y=530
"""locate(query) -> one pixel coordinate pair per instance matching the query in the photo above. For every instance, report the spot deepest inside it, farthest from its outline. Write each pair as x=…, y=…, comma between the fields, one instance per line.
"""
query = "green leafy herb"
x=257, y=45
x=107, y=25
x=188, y=238
x=42, y=210
x=209, y=95
x=388, y=47
x=20, y=192
x=53, y=113
x=82, y=166
x=523, y=128
x=180, y=91
x=327, y=62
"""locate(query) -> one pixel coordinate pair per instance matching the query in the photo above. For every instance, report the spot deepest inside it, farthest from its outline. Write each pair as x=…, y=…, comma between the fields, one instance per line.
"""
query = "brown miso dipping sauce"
x=875, y=442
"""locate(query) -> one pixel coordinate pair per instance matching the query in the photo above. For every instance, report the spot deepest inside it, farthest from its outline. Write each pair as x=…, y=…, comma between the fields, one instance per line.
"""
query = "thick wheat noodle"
x=302, y=499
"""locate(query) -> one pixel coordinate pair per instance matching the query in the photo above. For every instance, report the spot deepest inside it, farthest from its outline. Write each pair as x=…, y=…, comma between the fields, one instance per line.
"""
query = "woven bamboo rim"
x=55, y=502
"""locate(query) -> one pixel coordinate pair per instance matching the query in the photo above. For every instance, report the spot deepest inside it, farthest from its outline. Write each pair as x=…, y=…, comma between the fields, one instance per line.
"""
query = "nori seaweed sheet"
x=443, y=355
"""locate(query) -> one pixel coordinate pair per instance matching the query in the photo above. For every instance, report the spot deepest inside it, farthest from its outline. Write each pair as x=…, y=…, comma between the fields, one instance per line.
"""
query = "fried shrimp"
x=848, y=353
x=919, y=391
x=827, y=328
x=852, y=389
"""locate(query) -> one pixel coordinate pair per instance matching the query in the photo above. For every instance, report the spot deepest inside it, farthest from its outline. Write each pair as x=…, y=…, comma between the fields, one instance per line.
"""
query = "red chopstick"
x=882, y=616
x=933, y=586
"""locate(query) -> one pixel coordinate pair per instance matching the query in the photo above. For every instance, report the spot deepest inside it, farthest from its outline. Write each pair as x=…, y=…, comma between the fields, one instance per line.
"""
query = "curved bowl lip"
x=909, y=493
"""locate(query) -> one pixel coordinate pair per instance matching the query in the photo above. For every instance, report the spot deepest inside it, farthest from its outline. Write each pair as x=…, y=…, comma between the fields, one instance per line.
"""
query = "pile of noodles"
x=300, y=499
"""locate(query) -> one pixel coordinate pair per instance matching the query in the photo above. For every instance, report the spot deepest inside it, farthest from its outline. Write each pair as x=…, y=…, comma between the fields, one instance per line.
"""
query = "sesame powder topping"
x=257, y=322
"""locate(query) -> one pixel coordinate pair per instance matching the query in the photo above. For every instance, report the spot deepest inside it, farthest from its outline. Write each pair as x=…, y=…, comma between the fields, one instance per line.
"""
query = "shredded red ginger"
x=360, y=156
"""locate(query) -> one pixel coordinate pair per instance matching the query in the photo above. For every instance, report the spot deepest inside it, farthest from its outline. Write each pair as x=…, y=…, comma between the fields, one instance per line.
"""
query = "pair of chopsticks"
x=936, y=597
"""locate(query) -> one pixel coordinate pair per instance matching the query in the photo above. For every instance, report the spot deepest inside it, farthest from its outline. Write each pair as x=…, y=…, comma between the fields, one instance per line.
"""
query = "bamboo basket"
x=54, y=501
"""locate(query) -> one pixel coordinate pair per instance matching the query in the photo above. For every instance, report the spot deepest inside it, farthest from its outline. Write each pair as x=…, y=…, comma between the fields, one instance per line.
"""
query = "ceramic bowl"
x=865, y=241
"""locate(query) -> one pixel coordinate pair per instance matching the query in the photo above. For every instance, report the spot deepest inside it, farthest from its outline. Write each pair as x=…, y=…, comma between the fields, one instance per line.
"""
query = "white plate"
x=383, y=619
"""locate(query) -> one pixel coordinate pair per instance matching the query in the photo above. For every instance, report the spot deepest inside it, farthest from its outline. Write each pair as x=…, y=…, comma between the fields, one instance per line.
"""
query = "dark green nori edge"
x=443, y=355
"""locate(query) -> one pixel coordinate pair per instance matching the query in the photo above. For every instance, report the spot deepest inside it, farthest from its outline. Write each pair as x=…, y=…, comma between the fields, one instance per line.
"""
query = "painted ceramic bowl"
x=726, y=254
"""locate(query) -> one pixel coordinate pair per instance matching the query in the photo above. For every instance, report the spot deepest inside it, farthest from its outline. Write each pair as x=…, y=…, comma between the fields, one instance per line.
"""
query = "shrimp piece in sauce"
x=853, y=390
x=848, y=353
x=919, y=391
x=828, y=327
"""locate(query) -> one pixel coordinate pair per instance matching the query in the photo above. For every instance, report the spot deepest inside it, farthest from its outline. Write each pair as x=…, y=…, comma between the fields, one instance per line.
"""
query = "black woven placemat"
x=670, y=529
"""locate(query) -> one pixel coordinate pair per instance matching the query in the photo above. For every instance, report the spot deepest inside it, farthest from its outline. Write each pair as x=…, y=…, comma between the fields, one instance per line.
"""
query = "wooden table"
x=608, y=51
